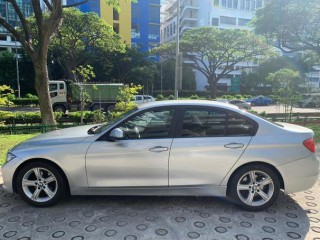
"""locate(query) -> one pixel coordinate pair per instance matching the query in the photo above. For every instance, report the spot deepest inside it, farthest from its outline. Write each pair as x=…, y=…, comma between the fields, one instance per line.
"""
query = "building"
x=7, y=42
x=223, y=14
x=145, y=24
x=120, y=21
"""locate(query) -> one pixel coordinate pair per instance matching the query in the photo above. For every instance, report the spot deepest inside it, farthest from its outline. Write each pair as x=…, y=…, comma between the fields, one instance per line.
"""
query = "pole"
x=161, y=77
x=17, y=69
x=176, y=79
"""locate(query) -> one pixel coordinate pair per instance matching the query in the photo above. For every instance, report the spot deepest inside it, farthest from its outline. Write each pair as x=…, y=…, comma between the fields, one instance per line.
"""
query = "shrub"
x=160, y=97
x=171, y=97
x=25, y=101
x=194, y=97
x=238, y=96
x=30, y=96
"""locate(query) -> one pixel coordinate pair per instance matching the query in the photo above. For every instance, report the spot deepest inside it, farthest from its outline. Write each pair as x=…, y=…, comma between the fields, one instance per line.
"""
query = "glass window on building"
x=174, y=28
x=154, y=32
x=242, y=4
x=243, y=21
x=247, y=5
x=253, y=5
x=215, y=22
x=224, y=3
x=115, y=15
x=228, y=20
x=235, y=4
x=171, y=29
x=135, y=30
x=216, y=3
x=229, y=3
x=259, y=4
x=154, y=14
x=135, y=11
x=116, y=28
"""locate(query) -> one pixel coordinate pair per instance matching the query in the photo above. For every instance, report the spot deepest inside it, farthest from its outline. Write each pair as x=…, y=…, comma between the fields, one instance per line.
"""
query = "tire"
x=44, y=185
x=59, y=108
x=254, y=196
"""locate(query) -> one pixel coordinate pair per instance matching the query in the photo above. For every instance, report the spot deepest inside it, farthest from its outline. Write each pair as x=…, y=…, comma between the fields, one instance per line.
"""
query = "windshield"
x=111, y=122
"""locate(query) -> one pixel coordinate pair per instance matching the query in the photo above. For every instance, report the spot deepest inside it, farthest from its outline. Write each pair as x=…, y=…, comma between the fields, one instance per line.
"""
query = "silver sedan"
x=167, y=148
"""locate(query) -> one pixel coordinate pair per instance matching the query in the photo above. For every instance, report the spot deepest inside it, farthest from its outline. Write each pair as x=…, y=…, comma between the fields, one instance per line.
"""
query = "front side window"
x=215, y=123
x=150, y=124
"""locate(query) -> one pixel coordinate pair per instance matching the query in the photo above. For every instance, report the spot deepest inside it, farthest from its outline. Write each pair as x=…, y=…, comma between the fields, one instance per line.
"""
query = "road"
x=280, y=109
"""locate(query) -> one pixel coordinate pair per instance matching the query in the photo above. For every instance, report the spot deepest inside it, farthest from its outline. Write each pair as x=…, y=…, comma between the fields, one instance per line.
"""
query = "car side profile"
x=201, y=148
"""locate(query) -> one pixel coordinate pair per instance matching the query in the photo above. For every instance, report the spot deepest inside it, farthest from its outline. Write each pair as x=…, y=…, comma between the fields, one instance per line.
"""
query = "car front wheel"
x=40, y=184
x=254, y=187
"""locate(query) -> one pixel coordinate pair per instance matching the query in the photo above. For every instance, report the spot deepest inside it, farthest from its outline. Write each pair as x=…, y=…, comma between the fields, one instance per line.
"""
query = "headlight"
x=10, y=156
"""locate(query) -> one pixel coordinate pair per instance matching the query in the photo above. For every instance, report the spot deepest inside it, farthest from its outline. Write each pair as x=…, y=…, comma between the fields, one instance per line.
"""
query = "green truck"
x=66, y=95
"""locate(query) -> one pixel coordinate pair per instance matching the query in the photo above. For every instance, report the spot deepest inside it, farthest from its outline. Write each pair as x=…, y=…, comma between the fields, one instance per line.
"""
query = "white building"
x=224, y=14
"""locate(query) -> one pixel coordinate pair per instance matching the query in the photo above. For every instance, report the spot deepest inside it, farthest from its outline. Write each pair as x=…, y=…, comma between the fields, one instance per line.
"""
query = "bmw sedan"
x=197, y=148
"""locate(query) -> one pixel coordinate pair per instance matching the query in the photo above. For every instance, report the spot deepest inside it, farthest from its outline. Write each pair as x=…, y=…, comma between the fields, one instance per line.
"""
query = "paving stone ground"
x=294, y=216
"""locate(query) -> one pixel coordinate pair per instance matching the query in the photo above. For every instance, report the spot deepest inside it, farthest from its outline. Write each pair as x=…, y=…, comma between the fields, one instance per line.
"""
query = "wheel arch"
x=282, y=186
x=15, y=175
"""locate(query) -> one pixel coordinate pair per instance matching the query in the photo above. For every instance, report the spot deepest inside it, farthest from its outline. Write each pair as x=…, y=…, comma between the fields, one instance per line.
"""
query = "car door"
x=208, y=143
x=139, y=160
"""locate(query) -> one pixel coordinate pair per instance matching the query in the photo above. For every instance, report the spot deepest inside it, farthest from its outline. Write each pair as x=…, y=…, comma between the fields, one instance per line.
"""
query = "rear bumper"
x=300, y=175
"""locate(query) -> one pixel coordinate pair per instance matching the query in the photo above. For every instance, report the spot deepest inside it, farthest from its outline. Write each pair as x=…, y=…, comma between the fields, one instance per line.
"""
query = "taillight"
x=310, y=144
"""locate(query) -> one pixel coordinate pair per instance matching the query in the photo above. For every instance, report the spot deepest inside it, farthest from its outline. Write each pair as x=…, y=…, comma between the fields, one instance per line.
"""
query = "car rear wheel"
x=254, y=187
x=40, y=184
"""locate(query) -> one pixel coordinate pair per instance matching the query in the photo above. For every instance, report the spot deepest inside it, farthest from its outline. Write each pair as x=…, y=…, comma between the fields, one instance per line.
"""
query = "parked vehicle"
x=260, y=101
x=167, y=148
x=311, y=100
x=66, y=95
x=241, y=104
x=140, y=99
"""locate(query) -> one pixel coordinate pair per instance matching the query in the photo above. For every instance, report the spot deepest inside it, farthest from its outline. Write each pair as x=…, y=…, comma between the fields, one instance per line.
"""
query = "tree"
x=36, y=46
x=291, y=25
x=80, y=39
x=287, y=84
x=132, y=66
x=216, y=53
x=256, y=83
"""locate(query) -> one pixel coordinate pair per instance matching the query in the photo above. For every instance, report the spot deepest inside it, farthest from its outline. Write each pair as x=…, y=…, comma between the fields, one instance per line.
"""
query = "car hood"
x=57, y=137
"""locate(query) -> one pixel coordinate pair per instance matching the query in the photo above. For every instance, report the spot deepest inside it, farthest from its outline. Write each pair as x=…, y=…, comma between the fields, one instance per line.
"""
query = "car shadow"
x=144, y=217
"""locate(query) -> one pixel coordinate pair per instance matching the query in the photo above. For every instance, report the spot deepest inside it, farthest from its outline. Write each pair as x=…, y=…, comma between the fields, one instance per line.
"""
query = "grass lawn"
x=8, y=141
x=316, y=129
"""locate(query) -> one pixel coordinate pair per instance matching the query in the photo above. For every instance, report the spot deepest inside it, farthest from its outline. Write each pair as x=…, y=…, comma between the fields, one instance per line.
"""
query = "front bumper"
x=8, y=170
x=300, y=175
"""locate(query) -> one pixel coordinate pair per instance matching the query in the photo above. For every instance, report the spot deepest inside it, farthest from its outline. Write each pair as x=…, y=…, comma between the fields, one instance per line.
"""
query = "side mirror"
x=117, y=133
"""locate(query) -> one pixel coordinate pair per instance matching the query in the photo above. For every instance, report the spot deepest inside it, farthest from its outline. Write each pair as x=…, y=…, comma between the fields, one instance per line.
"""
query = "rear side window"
x=215, y=123
x=239, y=126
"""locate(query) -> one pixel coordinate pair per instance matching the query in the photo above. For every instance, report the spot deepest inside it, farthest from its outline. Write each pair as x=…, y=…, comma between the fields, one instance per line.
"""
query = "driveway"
x=294, y=216
x=280, y=109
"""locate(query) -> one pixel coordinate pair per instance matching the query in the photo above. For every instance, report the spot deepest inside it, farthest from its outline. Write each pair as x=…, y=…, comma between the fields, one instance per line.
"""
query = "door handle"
x=234, y=145
x=158, y=149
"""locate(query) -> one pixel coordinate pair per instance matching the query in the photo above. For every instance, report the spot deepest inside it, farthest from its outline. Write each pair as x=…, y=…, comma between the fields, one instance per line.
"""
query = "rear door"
x=208, y=143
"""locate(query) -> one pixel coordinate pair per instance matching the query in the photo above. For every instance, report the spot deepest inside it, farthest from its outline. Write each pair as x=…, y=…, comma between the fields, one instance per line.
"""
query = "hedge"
x=35, y=117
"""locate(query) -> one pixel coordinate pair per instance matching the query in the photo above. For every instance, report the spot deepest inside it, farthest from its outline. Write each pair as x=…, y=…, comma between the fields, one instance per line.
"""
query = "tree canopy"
x=217, y=53
x=80, y=39
x=291, y=25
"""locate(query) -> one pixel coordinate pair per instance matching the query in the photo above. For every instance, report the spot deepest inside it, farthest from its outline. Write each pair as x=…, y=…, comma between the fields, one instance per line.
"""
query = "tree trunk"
x=42, y=88
x=212, y=87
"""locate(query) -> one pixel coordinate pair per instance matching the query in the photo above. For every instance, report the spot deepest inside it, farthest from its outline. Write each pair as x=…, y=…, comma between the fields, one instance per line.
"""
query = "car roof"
x=196, y=103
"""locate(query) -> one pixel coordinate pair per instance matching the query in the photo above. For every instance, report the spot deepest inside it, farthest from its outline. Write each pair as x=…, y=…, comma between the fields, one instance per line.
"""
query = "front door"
x=139, y=160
